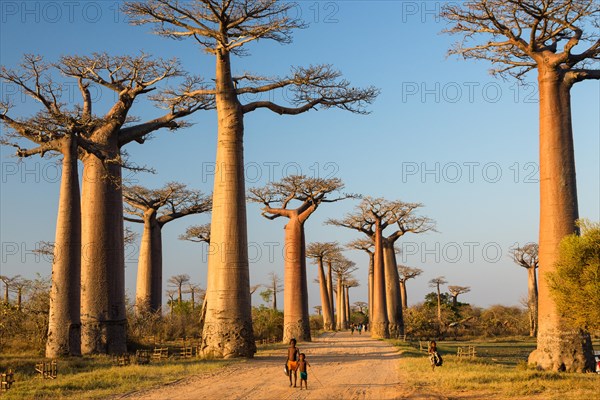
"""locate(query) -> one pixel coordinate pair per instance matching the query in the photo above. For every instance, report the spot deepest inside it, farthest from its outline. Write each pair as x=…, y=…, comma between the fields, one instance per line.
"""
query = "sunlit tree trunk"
x=403, y=294
x=347, y=304
x=392, y=291
x=64, y=323
x=558, y=348
x=341, y=307
x=149, y=276
x=325, y=304
x=274, y=304
x=439, y=305
x=228, y=323
x=330, y=292
x=532, y=301
x=19, y=298
x=103, y=319
x=370, y=283
x=296, y=322
x=379, y=322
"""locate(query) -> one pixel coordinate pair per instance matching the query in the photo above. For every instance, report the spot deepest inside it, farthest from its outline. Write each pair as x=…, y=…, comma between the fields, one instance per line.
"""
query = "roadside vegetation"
x=498, y=371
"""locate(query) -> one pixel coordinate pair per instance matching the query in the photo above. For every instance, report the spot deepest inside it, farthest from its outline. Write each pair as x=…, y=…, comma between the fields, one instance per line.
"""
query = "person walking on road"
x=292, y=361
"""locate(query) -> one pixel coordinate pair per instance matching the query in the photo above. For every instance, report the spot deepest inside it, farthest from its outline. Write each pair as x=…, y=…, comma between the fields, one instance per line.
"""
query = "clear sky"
x=443, y=132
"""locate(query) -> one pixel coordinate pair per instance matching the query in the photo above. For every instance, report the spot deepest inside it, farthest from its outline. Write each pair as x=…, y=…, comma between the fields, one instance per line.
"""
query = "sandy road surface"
x=344, y=366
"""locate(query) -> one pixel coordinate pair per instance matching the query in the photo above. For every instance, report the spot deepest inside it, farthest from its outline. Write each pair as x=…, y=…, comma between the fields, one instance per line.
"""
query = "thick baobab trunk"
x=64, y=323
x=19, y=298
x=392, y=291
x=6, y=293
x=403, y=295
x=228, y=325
x=439, y=305
x=325, y=304
x=341, y=308
x=296, y=322
x=347, y=304
x=330, y=292
x=455, y=301
x=379, y=321
x=103, y=318
x=558, y=347
x=532, y=302
x=148, y=292
x=370, y=283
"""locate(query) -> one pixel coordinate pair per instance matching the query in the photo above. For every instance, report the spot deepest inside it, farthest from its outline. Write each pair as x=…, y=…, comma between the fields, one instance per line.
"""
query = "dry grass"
x=97, y=378
x=499, y=372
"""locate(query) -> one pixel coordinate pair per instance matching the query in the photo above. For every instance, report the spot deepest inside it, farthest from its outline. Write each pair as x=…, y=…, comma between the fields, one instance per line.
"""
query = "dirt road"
x=344, y=366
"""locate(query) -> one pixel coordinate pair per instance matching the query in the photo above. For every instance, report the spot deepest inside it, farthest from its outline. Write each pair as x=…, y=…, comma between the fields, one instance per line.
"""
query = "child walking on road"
x=302, y=367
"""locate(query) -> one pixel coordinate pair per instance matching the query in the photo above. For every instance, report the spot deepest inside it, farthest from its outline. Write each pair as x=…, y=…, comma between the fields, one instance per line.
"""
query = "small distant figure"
x=434, y=356
x=292, y=361
x=366, y=327
x=359, y=328
x=302, y=367
x=352, y=329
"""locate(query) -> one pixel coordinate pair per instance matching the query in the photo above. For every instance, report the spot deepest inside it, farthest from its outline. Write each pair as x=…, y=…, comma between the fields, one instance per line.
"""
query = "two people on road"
x=296, y=361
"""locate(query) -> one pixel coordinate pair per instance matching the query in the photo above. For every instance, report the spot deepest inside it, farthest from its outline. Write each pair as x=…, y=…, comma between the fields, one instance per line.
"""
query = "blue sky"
x=443, y=132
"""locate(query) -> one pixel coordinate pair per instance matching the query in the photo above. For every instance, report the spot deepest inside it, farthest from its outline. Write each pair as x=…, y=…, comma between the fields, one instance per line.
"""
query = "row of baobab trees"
x=554, y=37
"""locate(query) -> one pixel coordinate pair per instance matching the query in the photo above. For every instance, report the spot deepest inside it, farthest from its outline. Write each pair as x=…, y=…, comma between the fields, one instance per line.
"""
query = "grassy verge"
x=498, y=372
x=97, y=378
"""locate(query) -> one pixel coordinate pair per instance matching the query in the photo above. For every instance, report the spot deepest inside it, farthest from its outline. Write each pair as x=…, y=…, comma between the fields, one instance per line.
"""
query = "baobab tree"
x=317, y=251
x=57, y=129
x=368, y=220
x=274, y=286
x=20, y=284
x=405, y=273
x=102, y=263
x=222, y=28
x=436, y=283
x=366, y=245
x=371, y=218
x=8, y=283
x=199, y=234
x=332, y=256
x=195, y=291
x=177, y=282
x=527, y=257
x=350, y=282
x=559, y=39
x=361, y=306
x=96, y=140
x=455, y=291
x=54, y=130
x=306, y=195
x=154, y=208
x=171, y=295
x=343, y=269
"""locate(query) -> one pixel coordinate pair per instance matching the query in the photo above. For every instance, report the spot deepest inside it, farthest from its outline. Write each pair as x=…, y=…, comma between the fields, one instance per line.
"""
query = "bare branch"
x=171, y=202
x=534, y=32
x=309, y=192
x=197, y=233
